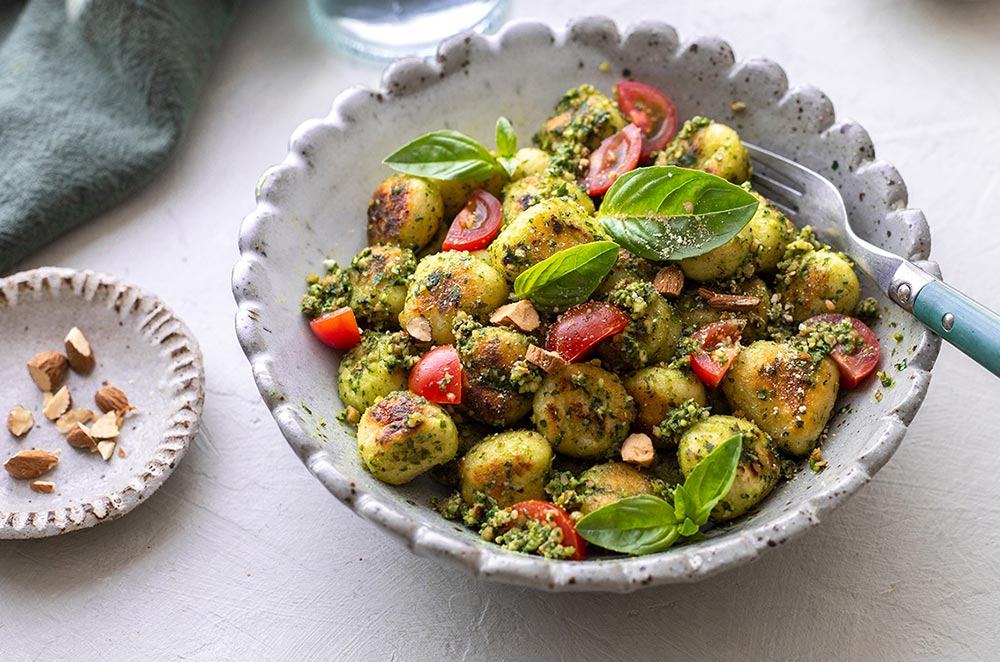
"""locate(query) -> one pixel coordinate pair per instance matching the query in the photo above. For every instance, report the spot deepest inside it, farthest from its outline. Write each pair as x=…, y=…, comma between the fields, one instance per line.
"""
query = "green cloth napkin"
x=94, y=94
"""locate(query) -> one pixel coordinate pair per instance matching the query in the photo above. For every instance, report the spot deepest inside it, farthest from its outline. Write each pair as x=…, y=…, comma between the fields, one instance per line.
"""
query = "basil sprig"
x=569, y=277
x=451, y=155
x=672, y=213
x=645, y=524
x=506, y=145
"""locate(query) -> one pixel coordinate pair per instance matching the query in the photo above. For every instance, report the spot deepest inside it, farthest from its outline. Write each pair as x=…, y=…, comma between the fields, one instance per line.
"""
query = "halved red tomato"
x=476, y=225
x=338, y=329
x=576, y=331
x=550, y=513
x=651, y=110
x=617, y=155
x=718, y=345
x=437, y=376
x=860, y=363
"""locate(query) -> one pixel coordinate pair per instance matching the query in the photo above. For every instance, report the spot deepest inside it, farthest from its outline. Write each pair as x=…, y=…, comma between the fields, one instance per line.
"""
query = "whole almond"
x=30, y=464
x=59, y=404
x=79, y=352
x=48, y=370
x=79, y=437
x=20, y=421
x=112, y=398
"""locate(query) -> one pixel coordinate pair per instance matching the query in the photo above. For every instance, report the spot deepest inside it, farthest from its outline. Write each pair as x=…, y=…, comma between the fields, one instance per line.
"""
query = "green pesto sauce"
x=678, y=420
x=821, y=339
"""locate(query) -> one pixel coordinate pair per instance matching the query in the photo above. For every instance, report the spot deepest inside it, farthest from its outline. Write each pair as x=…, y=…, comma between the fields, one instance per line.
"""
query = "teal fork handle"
x=969, y=326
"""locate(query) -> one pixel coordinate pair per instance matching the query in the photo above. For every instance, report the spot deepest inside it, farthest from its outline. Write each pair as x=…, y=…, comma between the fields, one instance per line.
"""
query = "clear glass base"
x=388, y=29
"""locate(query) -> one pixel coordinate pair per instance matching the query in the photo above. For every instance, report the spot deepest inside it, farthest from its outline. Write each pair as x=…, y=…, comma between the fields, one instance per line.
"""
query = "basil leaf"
x=640, y=524
x=445, y=155
x=568, y=277
x=711, y=479
x=509, y=164
x=688, y=528
x=684, y=505
x=506, y=138
x=672, y=213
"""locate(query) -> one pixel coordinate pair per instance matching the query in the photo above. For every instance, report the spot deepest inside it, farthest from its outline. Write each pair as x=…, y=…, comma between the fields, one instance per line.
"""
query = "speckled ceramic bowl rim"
x=682, y=564
x=159, y=326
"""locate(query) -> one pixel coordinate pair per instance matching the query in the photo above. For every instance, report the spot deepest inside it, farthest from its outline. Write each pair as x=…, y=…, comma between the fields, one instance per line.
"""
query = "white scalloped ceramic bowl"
x=313, y=205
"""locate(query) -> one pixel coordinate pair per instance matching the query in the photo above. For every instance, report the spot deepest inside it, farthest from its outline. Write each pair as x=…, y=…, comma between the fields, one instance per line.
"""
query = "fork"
x=802, y=193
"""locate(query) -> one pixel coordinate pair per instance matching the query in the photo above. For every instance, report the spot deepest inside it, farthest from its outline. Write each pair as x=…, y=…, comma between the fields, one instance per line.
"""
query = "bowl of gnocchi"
x=523, y=308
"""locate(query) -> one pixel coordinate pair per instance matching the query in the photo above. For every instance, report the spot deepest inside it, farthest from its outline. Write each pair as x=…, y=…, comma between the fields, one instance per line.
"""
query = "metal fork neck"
x=906, y=284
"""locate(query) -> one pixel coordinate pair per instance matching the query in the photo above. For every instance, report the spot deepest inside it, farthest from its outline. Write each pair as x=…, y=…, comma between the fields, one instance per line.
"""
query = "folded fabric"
x=93, y=96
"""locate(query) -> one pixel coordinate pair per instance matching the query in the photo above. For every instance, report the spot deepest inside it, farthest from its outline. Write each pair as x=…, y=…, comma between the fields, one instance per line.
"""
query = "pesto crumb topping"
x=634, y=297
x=506, y=527
x=326, y=293
x=886, y=379
x=565, y=490
x=679, y=419
x=821, y=339
x=868, y=309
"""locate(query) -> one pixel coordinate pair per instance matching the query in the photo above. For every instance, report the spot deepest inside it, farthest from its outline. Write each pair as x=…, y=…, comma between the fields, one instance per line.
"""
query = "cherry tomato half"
x=338, y=329
x=617, y=155
x=437, y=376
x=854, y=367
x=545, y=512
x=719, y=345
x=576, y=331
x=651, y=110
x=476, y=225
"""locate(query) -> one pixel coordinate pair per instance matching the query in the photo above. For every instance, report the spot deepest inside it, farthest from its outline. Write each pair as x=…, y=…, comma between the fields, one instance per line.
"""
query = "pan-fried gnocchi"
x=543, y=397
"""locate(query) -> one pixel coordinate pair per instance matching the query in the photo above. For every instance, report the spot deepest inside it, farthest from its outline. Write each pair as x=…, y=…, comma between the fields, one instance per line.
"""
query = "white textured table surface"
x=242, y=555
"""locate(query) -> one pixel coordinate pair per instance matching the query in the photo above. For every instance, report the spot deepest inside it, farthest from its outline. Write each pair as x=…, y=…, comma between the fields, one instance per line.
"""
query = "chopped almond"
x=59, y=404
x=79, y=352
x=419, y=329
x=106, y=427
x=48, y=370
x=544, y=359
x=20, y=421
x=730, y=302
x=669, y=281
x=520, y=314
x=44, y=486
x=106, y=449
x=79, y=437
x=638, y=449
x=68, y=421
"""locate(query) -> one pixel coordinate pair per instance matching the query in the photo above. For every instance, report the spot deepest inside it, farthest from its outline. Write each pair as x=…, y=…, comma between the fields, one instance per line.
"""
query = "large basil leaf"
x=444, y=155
x=641, y=524
x=711, y=479
x=672, y=213
x=568, y=277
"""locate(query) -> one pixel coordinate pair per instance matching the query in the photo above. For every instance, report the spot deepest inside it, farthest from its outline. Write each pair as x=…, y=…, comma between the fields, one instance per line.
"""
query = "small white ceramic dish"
x=141, y=347
x=313, y=206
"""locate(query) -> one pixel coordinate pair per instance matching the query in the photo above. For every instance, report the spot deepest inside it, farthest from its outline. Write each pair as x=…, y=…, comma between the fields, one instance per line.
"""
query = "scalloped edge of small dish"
x=682, y=564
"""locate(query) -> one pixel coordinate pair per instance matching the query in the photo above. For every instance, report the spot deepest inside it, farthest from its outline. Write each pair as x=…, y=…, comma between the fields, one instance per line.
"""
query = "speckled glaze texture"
x=141, y=347
x=312, y=206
